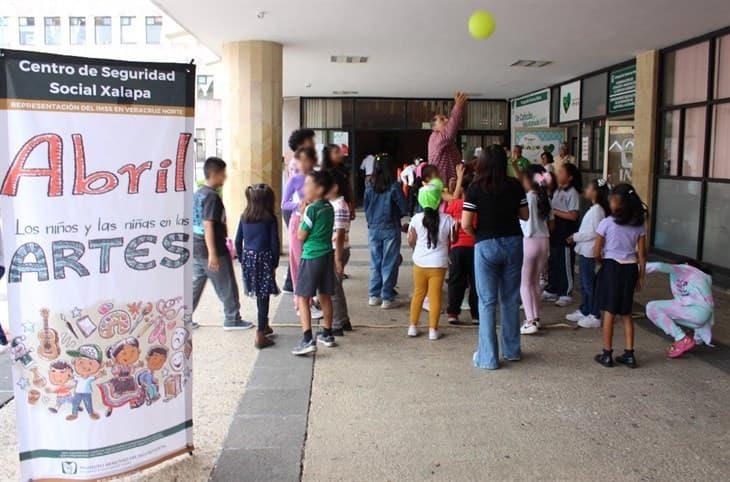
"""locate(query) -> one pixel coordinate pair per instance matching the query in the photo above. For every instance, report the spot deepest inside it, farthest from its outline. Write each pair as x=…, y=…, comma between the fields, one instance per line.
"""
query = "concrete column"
x=252, y=106
x=645, y=120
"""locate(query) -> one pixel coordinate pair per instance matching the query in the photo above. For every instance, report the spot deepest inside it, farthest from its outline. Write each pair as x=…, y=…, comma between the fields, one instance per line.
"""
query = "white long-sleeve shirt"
x=585, y=238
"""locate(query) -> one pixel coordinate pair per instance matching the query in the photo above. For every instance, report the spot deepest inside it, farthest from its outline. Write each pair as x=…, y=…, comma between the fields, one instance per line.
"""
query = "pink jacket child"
x=692, y=307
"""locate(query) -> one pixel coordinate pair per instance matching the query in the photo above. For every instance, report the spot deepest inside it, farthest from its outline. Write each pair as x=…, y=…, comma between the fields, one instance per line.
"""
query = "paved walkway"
x=382, y=406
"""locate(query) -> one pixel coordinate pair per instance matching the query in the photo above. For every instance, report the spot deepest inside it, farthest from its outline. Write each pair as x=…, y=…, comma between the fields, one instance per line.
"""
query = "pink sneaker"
x=679, y=348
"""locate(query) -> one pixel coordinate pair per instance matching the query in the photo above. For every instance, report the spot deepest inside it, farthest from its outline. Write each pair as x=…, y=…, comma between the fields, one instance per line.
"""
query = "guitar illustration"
x=38, y=379
x=48, y=348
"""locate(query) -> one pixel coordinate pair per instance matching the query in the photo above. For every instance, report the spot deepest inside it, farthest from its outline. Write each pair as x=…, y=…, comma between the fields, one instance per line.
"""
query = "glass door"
x=618, y=152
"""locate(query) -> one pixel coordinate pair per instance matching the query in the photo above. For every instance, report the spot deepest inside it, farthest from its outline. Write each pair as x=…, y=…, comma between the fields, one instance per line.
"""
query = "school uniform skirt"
x=615, y=286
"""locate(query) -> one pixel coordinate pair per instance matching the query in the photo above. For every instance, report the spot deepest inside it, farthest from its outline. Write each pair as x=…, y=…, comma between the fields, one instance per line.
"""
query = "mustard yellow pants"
x=427, y=281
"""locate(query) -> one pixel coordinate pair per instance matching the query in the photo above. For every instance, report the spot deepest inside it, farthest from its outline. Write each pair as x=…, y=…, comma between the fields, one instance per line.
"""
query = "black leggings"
x=262, y=306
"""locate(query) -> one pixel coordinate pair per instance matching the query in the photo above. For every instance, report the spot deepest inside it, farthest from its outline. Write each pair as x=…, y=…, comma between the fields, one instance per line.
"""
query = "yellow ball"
x=481, y=24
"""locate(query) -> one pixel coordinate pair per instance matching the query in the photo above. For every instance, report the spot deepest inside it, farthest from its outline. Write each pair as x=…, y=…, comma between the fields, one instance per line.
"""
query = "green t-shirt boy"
x=318, y=221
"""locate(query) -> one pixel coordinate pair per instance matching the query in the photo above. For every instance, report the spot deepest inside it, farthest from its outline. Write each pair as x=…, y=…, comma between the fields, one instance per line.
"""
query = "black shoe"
x=338, y=332
x=605, y=358
x=347, y=326
x=627, y=359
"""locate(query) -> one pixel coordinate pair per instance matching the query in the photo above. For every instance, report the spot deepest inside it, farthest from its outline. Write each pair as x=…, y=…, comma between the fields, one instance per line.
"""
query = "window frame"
x=147, y=25
x=56, y=26
x=96, y=29
x=131, y=26
x=709, y=104
x=82, y=25
x=21, y=32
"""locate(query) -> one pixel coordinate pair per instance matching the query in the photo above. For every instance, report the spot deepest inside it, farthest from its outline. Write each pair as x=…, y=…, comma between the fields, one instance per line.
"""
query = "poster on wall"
x=536, y=141
x=622, y=90
x=570, y=101
x=96, y=199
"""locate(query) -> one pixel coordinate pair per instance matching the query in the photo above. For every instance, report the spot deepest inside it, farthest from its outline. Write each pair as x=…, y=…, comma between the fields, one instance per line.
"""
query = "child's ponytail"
x=431, y=223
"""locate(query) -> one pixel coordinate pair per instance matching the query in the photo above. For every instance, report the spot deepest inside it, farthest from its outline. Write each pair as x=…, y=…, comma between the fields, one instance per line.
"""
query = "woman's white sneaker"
x=575, y=316
x=589, y=321
x=374, y=301
x=528, y=328
x=433, y=334
x=412, y=330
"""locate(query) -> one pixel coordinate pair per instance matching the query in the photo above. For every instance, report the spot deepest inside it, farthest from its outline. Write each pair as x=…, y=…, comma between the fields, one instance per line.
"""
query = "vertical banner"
x=570, y=101
x=96, y=199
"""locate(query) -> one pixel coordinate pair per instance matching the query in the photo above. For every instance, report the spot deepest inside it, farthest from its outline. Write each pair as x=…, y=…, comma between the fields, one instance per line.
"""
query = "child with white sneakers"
x=588, y=315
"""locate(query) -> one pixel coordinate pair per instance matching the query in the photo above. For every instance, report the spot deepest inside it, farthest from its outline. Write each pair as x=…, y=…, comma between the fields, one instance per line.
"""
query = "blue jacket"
x=383, y=210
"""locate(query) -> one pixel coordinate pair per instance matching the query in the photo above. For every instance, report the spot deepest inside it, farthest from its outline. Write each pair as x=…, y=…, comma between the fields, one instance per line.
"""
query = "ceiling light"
x=260, y=15
x=348, y=59
x=531, y=63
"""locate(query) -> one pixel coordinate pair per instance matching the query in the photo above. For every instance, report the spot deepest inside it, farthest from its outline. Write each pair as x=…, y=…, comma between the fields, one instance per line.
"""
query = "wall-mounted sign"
x=570, y=101
x=622, y=90
x=531, y=110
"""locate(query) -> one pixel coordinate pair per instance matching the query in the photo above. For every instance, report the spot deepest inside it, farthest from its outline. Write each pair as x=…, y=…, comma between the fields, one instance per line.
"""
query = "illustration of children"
x=122, y=389
x=87, y=363
x=61, y=377
x=156, y=358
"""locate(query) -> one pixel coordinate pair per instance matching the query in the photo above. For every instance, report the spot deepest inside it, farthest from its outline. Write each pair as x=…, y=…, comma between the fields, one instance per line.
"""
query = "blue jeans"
x=587, y=268
x=497, y=271
x=82, y=397
x=384, y=251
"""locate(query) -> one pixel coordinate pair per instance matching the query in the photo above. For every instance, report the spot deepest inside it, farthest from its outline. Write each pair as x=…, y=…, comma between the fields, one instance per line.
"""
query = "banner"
x=96, y=199
x=535, y=141
x=570, y=101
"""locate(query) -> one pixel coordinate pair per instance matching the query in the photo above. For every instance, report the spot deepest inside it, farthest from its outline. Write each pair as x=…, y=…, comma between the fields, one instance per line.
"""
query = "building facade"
x=131, y=30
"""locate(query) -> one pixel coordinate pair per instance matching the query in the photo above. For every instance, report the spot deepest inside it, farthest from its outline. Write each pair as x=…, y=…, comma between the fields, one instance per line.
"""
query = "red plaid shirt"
x=442, y=150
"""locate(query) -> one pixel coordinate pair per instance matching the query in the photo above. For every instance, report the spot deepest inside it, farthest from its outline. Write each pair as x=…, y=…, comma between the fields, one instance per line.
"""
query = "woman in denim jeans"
x=501, y=203
x=385, y=205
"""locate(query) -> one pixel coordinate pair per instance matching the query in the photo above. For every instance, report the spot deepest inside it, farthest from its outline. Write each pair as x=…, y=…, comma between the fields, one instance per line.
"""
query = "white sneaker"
x=563, y=301
x=374, y=301
x=575, y=316
x=547, y=296
x=528, y=328
x=389, y=304
x=316, y=313
x=589, y=321
x=412, y=330
x=433, y=335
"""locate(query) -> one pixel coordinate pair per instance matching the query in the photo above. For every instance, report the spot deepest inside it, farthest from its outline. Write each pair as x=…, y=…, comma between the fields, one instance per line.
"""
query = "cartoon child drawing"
x=87, y=363
x=156, y=358
x=61, y=376
x=122, y=389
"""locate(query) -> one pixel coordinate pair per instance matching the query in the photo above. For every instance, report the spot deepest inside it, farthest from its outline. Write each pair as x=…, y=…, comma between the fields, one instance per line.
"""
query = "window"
x=380, y=113
x=103, y=30
x=205, y=87
x=694, y=143
x=26, y=30
x=485, y=115
x=200, y=145
x=52, y=30
x=77, y=30
x=153, y=29
x=722, y=67
x=594, y=95
x=335, y=113
x=421, y=112
x=670, y=143
x=219, y=142
x=685, y=74
x=128, y=33
x=4, y=24
x=720, y=157
x=677, y=217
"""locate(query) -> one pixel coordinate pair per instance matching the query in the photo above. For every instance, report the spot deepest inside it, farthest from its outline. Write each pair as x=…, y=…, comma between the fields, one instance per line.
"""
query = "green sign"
x=622, y=90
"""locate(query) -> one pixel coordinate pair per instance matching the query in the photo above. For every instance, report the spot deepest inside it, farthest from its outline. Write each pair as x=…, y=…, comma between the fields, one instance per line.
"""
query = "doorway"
x=618, y=151
x=402, y=145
